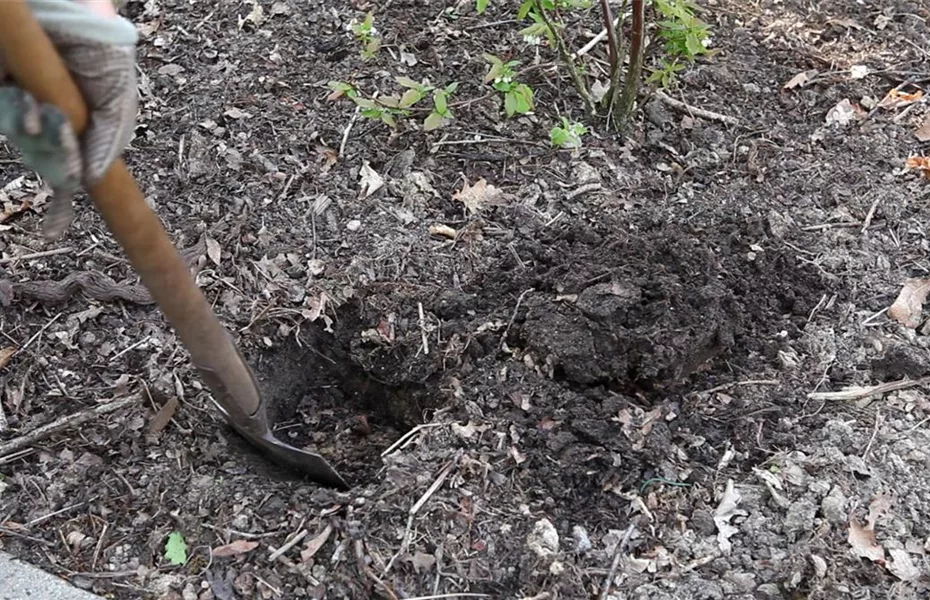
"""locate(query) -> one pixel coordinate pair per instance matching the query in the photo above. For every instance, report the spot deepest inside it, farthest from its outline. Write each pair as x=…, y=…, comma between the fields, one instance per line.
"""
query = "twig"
x=407, y=436
x=423, y=329
x=596, y=39
x=66, y=422
x=513, y=317
x=345, y=134
x=733, y=384
x=417, y=506
x=43, y=254
x=567, y=59
x=44, y=518
x=858, y=392
x=869, y=215
x=618, y=552
x=452, y=595
x=878, y=422
x=37, y=334
x=275, y=554
x=693, y=110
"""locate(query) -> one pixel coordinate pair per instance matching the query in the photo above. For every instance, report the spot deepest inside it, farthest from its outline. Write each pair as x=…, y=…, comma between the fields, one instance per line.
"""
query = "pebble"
x=544, y=539
x=354, y=225
x=582, y=541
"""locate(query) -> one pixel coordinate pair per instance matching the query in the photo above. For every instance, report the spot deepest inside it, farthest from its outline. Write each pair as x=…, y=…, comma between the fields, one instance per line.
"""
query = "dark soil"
x=582, y=371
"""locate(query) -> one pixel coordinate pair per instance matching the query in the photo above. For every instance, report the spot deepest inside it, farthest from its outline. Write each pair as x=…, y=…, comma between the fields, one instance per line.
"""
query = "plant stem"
x=566, y=57
x=634, y=73
x=614, y=45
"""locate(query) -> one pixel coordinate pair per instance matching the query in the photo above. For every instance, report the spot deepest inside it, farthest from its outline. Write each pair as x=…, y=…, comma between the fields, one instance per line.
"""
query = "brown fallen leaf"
x=6, y=354
x=919, y=162
x=895, y=98
x=163, y=416
x=235, y=548
x=797, y=81
x=475, y=197
x=314, y=545
x=862, y=540
x=922, y=133
x=907, y=309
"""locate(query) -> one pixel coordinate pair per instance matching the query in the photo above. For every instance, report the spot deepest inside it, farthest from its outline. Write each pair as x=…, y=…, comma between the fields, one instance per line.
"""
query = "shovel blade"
x=310, y=464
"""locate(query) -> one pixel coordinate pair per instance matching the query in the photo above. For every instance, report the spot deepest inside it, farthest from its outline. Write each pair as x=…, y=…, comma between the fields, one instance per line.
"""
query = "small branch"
x=568, y=60
x=43, y=254
x=859, y=393
x=62, y=424
x=699, y=112
x=635, y=72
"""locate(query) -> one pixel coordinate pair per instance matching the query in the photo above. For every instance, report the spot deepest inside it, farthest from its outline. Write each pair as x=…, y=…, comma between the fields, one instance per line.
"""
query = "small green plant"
x=441, y=113
x=481, y=6
x=568, y=134
x=367, y=33
x=176, y=549
x=542, y=26
x=685, y=38
x=518, y=97
x=388, y=109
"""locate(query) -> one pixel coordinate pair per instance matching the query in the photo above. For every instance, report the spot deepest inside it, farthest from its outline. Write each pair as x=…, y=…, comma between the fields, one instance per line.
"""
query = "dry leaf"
x=922, y=133
x=858, y=71
x=422, y=561
x=919, y=162
x=726, y=510
x=10, y=210
x=475, y=197
x=901, y=565
x=844, y=113
x=163, y=416
x=369, y=179
x=235, y=113
x=862, y=540
x=908, y=307
x=443, y=230
x=895, y=98
x=797, y=81
x=314, y=545
x=235, y=548
x=518, y=457
x=255, y=16
x=6, y=354
x=213, y=250
x=878, y=508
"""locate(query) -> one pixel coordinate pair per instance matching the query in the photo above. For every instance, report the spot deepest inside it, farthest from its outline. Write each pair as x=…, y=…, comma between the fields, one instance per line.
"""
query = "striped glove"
x=100, y=53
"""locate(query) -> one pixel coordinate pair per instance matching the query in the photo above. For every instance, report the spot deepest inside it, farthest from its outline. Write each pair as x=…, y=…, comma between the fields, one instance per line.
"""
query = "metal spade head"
x=310, y=464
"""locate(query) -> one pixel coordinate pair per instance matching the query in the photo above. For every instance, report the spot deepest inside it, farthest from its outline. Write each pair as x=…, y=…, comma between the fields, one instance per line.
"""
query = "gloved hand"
x=99, y=49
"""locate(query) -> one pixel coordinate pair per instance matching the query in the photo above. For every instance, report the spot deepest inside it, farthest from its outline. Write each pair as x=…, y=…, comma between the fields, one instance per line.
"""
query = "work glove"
x=100, y=53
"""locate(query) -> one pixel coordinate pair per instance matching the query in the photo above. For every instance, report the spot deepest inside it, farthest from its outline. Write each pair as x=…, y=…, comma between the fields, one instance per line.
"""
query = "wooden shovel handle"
x=33, y=61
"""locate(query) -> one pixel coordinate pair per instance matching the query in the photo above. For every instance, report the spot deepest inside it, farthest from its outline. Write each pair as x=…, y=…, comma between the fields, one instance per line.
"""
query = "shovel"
x=34, y=62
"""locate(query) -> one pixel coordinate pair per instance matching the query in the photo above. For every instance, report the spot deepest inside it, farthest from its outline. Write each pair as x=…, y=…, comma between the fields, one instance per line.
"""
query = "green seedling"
x=685, y=38
x=518, y=97
x=441, y=113
x=568, y=134
x=481, y=6
x=176, y=549
x=367, y=33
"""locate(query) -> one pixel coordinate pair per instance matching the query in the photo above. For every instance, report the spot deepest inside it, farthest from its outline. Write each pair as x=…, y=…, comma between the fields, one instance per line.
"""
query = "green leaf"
x=558, y=137
x=410, y=98
x=388, y=120
x=524, y=98
x=450, y=89
x=439, y=101
x=339, y=86
x=525, y=8
x=433, y=121
x=408, y=83
x=176, y=549
x=364, y=103
x=481, y=6
x=390, y=101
